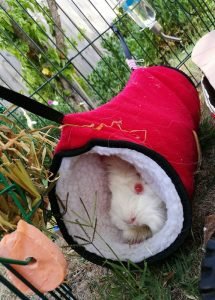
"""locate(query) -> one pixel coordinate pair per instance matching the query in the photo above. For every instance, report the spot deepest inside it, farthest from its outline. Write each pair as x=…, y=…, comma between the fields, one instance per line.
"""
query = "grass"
x=207, y=134
x=177, y=278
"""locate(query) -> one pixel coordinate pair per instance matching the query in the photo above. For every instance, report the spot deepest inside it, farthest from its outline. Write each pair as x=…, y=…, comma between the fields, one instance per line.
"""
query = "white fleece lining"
x=84, y=177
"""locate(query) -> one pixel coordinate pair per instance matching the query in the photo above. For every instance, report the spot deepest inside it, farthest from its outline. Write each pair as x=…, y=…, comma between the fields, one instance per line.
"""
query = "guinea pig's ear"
x=138, y=174
x=106, y=161
x=109, y=160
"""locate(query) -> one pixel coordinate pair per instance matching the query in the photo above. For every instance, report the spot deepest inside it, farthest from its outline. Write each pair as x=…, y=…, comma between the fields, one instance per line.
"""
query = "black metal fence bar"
x=2, y=104
x=62, y=292
x=182, y=63
x=38, y=71
x=41, y=51
x=12, y=112
x=24, y=79
x=80, y=53
x=53, y=294
x=67, y=290
x=177, y=57
x=18, y=73
x=35, y=44
x=200, y=17
x=121, y=18
x=207, y=11
x=85, y=37
x=11, y=287
x=132, y=35
x=187, y=15
x=100, y=35
x=53, y=42
x=25, y=281
x=186, y=33
x=14, y=116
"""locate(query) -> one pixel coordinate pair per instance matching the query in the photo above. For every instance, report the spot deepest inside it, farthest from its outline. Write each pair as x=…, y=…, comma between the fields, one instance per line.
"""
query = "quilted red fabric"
x=159, y=108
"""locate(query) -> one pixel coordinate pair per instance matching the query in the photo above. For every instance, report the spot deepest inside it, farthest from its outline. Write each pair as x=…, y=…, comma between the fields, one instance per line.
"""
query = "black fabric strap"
x=124, y=46
x=31, y=105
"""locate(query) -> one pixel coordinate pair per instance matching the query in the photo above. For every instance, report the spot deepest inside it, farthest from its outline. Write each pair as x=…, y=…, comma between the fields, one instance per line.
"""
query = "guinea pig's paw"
x=136, y=235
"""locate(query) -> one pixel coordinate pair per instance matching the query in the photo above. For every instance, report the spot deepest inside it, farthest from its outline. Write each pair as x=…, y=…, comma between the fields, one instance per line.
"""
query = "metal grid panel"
x=92, y=21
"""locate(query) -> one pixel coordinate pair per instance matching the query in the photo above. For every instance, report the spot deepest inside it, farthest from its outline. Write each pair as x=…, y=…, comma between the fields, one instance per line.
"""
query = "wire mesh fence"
x=65, y=51
x=62, y=292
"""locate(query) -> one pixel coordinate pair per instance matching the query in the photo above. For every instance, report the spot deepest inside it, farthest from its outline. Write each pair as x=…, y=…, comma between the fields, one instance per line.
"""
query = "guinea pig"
x=135, y=209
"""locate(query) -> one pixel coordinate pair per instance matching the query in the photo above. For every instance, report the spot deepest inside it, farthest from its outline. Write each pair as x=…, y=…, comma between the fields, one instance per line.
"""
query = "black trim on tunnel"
x=161, y=161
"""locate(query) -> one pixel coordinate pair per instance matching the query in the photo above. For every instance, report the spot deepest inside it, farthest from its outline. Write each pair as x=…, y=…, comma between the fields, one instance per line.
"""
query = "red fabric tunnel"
x=157, y=114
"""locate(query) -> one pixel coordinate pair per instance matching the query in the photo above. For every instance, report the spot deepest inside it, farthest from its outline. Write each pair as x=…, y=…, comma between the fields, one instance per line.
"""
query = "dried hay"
x=25, y=156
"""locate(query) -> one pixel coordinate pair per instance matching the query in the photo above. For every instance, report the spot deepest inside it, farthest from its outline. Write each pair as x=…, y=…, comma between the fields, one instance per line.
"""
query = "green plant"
x=181, y=19
x=41, y=49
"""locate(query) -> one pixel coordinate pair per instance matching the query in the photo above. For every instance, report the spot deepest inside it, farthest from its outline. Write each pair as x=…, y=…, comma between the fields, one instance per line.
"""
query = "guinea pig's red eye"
x=138, y=188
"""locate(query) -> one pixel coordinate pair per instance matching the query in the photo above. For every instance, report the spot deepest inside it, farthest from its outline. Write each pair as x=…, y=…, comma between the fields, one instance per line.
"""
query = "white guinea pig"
x=135, y=208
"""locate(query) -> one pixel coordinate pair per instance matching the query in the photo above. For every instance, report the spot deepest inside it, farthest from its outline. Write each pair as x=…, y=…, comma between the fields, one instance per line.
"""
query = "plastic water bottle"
x=140, y=11
x=144, y=15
